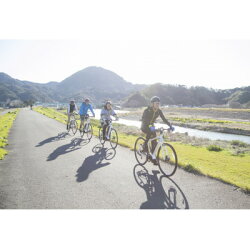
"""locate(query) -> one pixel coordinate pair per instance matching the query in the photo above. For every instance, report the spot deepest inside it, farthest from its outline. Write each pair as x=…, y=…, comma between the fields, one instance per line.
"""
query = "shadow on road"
x=95, y=162
x=59, y=137
x=162, y=193
x=75, y=144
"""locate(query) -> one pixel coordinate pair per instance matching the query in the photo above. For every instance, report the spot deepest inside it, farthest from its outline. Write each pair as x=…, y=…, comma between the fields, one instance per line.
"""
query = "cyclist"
x=85, y=107
x=149, y=116
x=72, y=107
x=106, y=114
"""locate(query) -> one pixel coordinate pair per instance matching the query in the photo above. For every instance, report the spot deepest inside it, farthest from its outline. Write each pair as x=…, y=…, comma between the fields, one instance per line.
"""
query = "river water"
x=191, y=132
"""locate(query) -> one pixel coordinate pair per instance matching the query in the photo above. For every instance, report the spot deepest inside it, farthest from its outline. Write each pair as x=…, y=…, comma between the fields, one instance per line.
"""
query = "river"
x=191, y=132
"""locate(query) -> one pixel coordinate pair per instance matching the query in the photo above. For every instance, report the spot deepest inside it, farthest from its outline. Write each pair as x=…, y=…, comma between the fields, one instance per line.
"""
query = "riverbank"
x=227, y=121
x=225, y=161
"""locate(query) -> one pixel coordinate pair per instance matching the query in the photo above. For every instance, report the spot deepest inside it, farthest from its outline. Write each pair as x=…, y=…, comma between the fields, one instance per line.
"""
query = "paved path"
x=46, y=168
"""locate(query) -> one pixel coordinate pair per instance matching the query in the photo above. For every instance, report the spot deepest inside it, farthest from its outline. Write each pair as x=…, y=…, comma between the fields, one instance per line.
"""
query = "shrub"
x=238, y=143
x=214, y=148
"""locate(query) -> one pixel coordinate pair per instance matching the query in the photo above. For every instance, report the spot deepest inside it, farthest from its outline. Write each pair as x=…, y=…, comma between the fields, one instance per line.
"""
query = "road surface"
x=47, y=168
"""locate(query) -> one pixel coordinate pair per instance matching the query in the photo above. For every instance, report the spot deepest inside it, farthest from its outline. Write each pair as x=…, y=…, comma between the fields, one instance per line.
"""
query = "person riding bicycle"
x=72, y=107
x=85, y=107
x=149, y=117
x=106, y=114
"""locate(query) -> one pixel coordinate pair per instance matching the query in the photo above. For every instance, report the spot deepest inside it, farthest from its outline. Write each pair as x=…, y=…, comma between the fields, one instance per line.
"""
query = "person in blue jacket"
x=85, y=107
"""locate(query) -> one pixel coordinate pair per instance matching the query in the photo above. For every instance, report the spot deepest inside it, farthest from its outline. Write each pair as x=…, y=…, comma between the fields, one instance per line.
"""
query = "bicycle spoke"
x=167, y=159
x=113, y=138
x=140, y=153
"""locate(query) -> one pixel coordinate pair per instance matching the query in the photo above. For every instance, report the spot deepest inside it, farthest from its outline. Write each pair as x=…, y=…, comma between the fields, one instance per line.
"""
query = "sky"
x=216, y=63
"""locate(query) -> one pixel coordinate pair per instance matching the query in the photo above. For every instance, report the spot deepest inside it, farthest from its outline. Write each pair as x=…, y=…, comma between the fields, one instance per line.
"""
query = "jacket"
x=84, y=109
x=74, y=106
x=106, y=114
x=149, y=116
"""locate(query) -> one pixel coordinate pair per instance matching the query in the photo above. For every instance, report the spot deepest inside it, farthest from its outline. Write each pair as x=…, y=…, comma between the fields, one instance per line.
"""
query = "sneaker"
x=154, y=161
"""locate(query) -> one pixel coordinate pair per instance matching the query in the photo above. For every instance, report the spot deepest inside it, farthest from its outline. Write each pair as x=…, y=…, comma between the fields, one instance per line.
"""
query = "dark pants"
x=149, y=134
x=104, y=128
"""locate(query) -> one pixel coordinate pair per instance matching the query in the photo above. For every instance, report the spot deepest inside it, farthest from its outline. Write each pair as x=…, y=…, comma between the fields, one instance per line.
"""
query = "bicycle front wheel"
x=89, y=131
x=102, y=141
x=74, y=127
x=167, y=159
x=113, y=138
x=140, y=153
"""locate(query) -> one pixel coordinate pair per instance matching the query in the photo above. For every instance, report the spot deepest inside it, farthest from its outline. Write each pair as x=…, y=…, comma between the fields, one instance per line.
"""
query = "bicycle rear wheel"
x=167, y=159
x=113, y=138
x=140, y=153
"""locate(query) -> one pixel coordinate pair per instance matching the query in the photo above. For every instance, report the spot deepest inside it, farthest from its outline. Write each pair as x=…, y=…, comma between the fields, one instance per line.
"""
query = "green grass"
x=6, y=122
x=222, y=165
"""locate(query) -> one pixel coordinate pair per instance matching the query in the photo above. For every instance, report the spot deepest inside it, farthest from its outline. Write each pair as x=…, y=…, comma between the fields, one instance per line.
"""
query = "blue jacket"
x=84, y=109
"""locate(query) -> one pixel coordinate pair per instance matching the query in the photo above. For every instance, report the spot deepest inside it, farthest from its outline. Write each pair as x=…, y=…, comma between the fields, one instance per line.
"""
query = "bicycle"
x=72, y=124
x=110, y=134
x=87, y=129
x=164, y=153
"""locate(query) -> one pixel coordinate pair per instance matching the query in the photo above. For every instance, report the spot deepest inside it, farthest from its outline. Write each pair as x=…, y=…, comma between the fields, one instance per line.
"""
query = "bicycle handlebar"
x=163, y=129
x=110, y=119
x=89, y=115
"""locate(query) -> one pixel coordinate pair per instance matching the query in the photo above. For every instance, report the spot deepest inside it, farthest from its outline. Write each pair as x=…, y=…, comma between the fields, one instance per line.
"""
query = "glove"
x=152, y=129
x=172, y=129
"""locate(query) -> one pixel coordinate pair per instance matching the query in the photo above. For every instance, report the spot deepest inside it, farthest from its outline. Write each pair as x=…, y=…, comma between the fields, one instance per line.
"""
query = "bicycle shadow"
x=110, y=153
x=60, y=136
x=162, y=193
x=75, y=144
x=95, y=162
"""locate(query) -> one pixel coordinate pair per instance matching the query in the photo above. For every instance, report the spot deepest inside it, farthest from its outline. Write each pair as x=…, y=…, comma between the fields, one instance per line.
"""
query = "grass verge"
x=6, y=122
x=222, y=165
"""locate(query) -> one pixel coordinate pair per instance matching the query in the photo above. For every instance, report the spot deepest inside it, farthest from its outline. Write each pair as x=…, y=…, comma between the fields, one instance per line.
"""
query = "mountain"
x=240, y=96
x=193, y=96
x=13, y=89
x=135, y=100
x=94, y=82
x=100, y=84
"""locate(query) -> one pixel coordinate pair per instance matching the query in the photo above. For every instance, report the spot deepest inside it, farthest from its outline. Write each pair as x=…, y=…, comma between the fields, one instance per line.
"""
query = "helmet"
x=155, y=99
x=72, y=100
x=86, y=100
x=108, y=102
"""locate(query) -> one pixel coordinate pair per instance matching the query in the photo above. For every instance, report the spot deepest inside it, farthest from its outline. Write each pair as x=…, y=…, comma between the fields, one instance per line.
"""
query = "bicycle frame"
x=108, y=129
x=158, y=146
x=86, y=121
x=72, y=118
